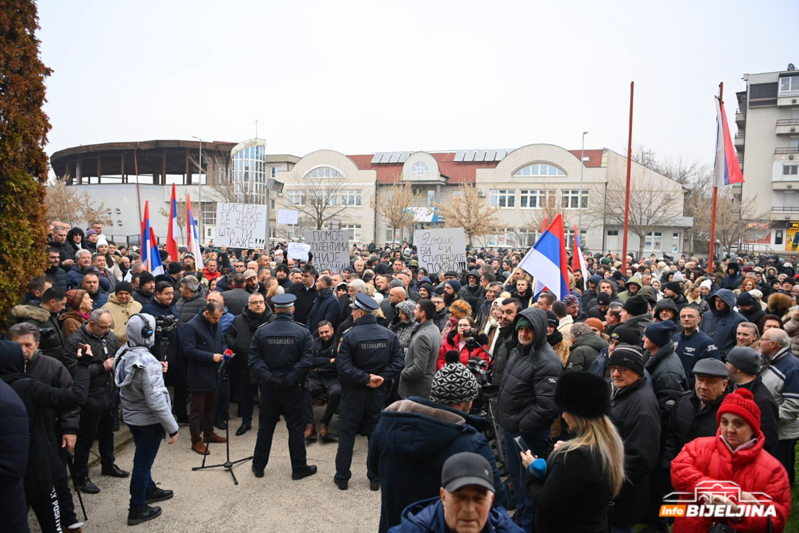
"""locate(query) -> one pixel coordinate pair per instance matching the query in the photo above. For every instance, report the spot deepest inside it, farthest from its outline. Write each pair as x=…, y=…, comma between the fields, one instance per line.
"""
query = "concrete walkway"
x=208, y=501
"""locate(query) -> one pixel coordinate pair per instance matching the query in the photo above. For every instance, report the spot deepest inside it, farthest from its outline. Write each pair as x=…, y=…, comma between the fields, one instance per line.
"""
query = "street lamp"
x=200, y=186
x=582, y=164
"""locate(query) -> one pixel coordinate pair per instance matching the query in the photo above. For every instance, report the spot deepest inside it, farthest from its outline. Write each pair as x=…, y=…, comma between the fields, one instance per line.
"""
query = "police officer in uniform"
x=369, y=355
x=281, y=354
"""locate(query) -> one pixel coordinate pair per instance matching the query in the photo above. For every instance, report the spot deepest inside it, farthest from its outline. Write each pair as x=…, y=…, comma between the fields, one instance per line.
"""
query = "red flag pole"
x=627, y=189
x=711, y=249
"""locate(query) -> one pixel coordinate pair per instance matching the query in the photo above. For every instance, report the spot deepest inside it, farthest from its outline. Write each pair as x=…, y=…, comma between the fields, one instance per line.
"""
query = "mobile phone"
x=521, y=444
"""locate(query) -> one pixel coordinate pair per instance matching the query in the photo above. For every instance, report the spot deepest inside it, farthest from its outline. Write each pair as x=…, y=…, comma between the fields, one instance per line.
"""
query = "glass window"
x=789, y=84
x=420, y=168
x=575, y=199
x=356, y=231
x=675, y=242
x=208, y=213
x=295, y=197
x=431, y=197
x=324, y=172
x=540, y=169
x=531, y=199
x=789, y=170
x=570, y=238
x=504, y=198
x=653, y=241
x=351, y=197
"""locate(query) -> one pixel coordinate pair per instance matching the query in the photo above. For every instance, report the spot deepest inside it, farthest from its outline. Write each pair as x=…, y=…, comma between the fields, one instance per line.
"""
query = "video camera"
x=165, y=324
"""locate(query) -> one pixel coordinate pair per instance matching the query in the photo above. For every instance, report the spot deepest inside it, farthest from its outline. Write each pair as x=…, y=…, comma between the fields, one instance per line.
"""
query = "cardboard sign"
x=299, y=251
x=287, y=216
x=330, y=249
x=241, y=225
x=441, y=249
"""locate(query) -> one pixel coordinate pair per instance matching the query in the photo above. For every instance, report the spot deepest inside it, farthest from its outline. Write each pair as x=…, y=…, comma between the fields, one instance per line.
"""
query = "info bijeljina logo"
x=717, y=499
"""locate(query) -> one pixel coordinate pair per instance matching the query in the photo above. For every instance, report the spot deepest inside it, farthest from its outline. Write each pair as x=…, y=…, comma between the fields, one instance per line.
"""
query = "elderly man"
x=743, y=365
x=781, y=377
x=585, y=347
x=83, y=264
x=416, y=378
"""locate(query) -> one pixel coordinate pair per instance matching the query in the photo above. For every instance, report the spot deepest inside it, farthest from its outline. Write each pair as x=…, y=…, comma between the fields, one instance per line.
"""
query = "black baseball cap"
x=466, y=468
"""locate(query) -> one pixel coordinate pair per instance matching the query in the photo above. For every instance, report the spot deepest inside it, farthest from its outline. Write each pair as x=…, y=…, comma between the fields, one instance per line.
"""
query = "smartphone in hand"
x=521, y=444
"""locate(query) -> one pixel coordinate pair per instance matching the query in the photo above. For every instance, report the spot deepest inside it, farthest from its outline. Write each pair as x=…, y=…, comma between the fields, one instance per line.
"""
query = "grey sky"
x=369, y=76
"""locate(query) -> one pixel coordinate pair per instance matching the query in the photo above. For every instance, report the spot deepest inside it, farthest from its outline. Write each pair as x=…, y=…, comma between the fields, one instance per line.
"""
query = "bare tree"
x=736, y=220
x=394, y=206
x=182, y=214
x=468, y=211
x=318, y=199
x=74, y=206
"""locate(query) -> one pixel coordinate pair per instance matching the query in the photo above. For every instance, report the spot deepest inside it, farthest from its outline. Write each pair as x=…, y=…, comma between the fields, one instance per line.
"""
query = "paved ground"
x=209, y=501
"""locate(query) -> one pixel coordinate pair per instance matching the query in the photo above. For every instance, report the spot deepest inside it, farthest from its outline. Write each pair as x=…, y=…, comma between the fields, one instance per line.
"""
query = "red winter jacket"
x=709, y=459
x=451, y=342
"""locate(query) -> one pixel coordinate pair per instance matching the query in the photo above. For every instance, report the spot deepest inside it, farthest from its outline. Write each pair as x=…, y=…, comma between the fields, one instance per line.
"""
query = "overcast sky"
x=362, y=77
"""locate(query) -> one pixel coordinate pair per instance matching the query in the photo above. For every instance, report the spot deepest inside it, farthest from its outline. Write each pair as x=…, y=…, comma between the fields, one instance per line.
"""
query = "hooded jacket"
x=52, y=342
x=639, y=321
x=121, y=313
x=721, y=326
x=589, y=296
x=781, y=378
x=668, y=303
x=526, y=401
x=668, y=379
x=734, y=280
x=427, y=516
x=14, y=439
x=584, y=351
x=140, y=379
x=190, y=308
x=409, y=446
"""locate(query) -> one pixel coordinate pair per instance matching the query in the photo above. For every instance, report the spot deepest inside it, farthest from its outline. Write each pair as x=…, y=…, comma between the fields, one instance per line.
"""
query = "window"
x=654, y=241
x=789, y=84
x=531, y=199
x=675, y=242
x=208, y=210
x=526, y=237
x=540, y=169
x=504, y=198
x=613, y=233
x=431, y=198
x=575, y=199
x=790, y=170
x=275, y=170
x=350, y=197
x=356, y=231
x=295, y=197
x=324, y=172
x=570, y=239
x=420, y=168
x=119, y=223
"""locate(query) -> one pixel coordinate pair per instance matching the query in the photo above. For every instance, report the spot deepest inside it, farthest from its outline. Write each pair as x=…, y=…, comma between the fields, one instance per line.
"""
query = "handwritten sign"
x=241, y=225
x=287, y=216
x=330, y=249
x=441, y=249
x=299, y=250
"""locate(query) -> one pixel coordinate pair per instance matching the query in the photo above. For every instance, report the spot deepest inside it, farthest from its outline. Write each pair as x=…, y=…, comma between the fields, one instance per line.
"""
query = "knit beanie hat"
x=455, y=284
x=595, y=323
x=628, y=356
x=454, y=383
x=75, y=297
x=636, y=305
x=707, y=284
x=123, y=286
x=745, y=299
x=626, y=335
x=660, y=332
x=603, y=298
x=744, y=358
x=552, y=319
x=145, y=277
x=570, y=299
x=741, y=403
x=673, y=286
x=407, y=307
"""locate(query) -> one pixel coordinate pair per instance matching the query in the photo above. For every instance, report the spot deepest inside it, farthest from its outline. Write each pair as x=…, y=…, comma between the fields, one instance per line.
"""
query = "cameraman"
x=162, y=305
x=147, y=411
x=466, y=341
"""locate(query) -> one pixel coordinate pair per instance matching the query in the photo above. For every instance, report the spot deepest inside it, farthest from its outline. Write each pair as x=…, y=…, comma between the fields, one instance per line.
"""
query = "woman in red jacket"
x=457, y=340
x=735, y=460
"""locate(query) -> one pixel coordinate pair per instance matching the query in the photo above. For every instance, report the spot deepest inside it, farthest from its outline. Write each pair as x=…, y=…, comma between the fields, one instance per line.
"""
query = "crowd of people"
x=487, y=407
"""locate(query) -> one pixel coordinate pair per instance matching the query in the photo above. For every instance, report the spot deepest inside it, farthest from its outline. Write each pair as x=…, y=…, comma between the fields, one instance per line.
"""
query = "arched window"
x=420, y=168
x=539, y=169
x=323, y=172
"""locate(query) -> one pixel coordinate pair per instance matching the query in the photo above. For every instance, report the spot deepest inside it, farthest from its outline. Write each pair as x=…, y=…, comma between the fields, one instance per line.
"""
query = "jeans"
x=786, y=454
x=537, y=443
x=94, y=425
x=148, y=440
x=201, y=415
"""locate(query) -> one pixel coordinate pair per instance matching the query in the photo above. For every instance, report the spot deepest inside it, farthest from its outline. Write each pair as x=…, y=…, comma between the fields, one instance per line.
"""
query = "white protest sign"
x=241, y=225
x=441, y=249
x=299, y=250
x=330, y=249
x=287, y=216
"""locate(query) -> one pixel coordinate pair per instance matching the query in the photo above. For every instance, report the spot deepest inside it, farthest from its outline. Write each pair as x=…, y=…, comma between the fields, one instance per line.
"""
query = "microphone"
x=228, y=355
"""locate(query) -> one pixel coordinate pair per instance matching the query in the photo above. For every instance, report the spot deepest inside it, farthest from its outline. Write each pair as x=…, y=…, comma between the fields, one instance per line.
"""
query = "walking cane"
x=71, y=467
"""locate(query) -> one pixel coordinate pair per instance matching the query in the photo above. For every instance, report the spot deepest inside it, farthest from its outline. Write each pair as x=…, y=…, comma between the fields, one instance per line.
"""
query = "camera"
x=165, y=324
x=47, y=333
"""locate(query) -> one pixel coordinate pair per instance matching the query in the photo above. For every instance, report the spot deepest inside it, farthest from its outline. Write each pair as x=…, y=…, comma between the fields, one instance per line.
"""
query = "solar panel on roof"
x=394, y=157
x=480, y=155
x=469, y=155
x=386, y=157
x=404, y=157
x=376, y=158
x=500, y=155
x=459, y=155
x=490, y=155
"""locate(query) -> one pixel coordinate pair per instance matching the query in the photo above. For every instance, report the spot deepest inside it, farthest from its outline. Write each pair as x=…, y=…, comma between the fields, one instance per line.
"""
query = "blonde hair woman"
x=585, y=473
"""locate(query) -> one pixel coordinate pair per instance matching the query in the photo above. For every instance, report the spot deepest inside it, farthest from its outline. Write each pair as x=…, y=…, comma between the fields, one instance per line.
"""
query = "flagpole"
x=711, y=250
x=627, y=189
x=138, y=193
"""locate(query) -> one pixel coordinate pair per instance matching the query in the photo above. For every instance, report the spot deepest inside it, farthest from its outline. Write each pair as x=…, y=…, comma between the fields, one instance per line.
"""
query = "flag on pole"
x=546, y=261
x=193, y=241
x=726, y=168
x=174, y=229
x=578, y=260
x=150, y=255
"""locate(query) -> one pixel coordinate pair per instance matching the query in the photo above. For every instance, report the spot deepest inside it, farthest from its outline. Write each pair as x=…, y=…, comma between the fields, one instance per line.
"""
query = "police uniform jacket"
x=368, y=348
x=692, y=348
x=282, y=348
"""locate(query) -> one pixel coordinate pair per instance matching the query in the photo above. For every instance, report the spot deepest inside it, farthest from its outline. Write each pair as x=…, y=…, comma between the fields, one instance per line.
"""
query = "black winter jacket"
x=14, y=441
x=368, y=348
x=58, y=275
x=668, y=379
x=688, y=420
x=305, y=300
x=769, y=413
x=585, y=351
x=526, y=401
x=188, y=309
x=52, y=372
x=236, y=300
x=52, y=338
x=102, y=382
x=238, y=337
x=283, y=348
x=200, y=340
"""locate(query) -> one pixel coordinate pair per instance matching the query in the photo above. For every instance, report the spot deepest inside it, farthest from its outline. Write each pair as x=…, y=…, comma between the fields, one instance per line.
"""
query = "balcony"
x=786, y=150
x=787, y=126
x=740, y=118
x=739, y=141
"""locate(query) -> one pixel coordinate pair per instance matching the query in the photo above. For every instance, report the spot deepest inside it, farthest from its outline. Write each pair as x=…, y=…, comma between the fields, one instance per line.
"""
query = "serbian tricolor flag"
x=150, y=255
x=193, y=241
x=726, y=168
x=173, y=231
x=578, y=261
x=546, y=261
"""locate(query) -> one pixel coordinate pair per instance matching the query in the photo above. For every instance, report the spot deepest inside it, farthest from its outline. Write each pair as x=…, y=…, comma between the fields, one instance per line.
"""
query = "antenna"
x=256, y=127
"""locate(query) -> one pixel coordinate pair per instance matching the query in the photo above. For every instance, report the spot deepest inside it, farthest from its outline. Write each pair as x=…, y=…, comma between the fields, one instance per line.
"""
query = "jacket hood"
x=113, y=299
x=30, y=312
x=123, y=375
x=666, y=303
x=733, y=266
x=595, y=279
x=593, y=340
x=635, y=280
x=726, y=295
x=475, y=273
x=538, y=319
x=134, y=331
x=12, y=361
x=420, y=428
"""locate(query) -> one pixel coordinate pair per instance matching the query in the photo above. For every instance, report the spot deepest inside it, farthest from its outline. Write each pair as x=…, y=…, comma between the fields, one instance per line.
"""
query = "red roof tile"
x=594, y=157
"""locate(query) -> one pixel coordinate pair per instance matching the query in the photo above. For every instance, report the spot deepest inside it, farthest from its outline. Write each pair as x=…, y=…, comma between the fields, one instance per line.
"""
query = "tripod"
x=228, y=464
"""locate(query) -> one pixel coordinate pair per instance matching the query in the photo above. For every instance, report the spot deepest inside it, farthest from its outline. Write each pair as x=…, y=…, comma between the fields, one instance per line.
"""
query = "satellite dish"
x=791, y=66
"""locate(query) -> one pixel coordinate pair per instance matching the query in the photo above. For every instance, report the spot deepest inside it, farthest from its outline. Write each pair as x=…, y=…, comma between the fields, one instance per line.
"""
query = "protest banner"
x=441, y=249
x=330, y=249
x=299, y=250
x=241, y=225
x=287, y=216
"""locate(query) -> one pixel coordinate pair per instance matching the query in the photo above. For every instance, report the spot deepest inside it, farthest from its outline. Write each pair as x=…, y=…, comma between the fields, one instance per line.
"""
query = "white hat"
x=707, y=283
x=756, y=294
x=101, y=241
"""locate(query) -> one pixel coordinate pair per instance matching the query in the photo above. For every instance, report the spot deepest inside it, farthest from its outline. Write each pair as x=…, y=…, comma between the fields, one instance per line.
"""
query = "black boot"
x=137, y=516
x=155, y=494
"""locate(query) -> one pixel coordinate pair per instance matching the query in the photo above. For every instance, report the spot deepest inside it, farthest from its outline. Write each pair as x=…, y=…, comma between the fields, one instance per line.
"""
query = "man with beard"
x=451, y=289
x=144, y=292
x=506, y=340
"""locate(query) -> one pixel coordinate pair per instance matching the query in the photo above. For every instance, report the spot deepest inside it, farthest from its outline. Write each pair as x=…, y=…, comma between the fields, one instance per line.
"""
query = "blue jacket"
x=692, y=348
x=721, y=327
x=75, y=278
x=368, y=348
x=99, y=298
x=323, y=308
x=200, y=341
x=409, y=446
x=427, y=516
x=281, y=348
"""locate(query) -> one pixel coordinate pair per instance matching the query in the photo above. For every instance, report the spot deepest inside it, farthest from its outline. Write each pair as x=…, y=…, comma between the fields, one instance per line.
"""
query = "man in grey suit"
x=416, y=378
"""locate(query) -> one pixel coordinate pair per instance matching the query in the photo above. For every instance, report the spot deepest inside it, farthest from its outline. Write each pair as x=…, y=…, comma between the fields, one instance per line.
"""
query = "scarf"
x=325, y=293
x=555, y=339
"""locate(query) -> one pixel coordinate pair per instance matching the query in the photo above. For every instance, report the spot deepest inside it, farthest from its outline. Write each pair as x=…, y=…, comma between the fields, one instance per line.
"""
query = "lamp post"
x=580, y=201
x=200, y=187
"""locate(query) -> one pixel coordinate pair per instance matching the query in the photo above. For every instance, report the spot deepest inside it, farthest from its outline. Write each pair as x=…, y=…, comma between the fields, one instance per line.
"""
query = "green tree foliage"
x=23, y=161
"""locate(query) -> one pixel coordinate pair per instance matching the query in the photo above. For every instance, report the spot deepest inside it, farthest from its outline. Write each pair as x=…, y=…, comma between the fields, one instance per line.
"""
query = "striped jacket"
x=781, y=378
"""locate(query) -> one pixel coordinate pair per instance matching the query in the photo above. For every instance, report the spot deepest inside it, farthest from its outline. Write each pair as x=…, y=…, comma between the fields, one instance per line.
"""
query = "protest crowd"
x=489, y=404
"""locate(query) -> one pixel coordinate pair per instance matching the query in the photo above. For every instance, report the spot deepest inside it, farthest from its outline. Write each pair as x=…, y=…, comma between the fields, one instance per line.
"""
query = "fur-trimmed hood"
x=30, y=312
x=779, y=303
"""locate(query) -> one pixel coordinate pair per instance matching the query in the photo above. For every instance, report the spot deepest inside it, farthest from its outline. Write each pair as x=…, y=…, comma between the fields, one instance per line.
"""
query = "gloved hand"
x=278, y=382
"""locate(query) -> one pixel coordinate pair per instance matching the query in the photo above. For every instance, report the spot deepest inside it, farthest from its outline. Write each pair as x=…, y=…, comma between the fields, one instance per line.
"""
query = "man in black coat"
x=238, y=338
x=96, y=417
x=55, y=272
x=44, y=315
x=14, y=443
x=202, y=345
x=305, y=292
x=237, y=298
x=322, y=379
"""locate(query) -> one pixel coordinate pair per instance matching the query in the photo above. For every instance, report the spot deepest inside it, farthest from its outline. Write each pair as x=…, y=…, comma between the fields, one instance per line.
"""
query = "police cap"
x=284, y=300
x=364, y=302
